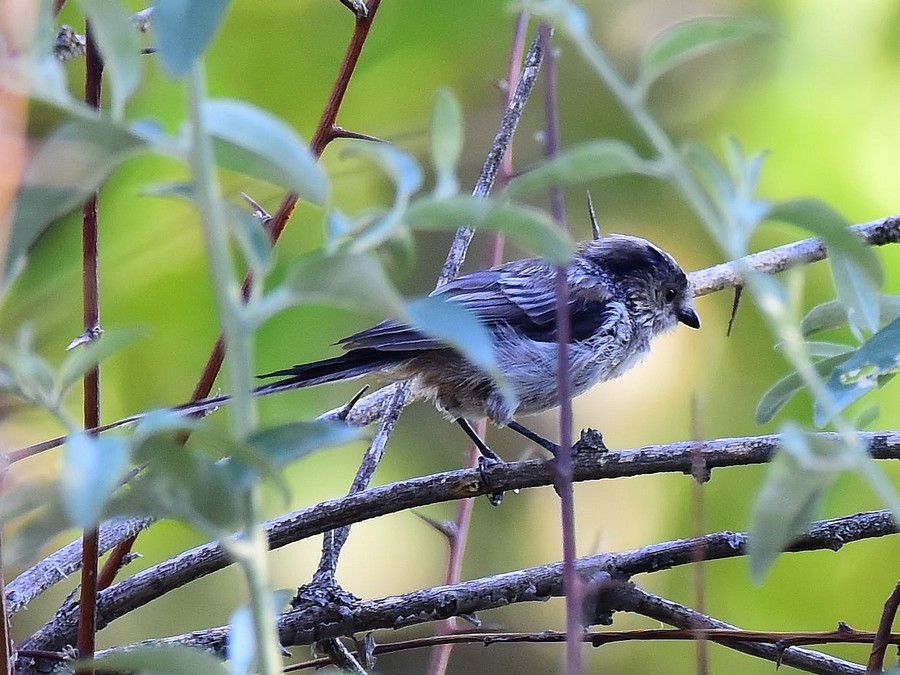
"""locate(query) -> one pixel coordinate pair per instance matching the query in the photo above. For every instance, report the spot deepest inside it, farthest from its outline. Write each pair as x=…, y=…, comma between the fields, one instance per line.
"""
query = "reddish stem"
x=440, y=655
x=324, y=134
x=87, y=617
x=883, y=635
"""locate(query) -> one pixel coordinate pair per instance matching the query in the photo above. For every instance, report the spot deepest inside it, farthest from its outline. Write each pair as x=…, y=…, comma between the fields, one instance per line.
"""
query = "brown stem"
x=324, y=133
x=87, y=620
x=882, y=636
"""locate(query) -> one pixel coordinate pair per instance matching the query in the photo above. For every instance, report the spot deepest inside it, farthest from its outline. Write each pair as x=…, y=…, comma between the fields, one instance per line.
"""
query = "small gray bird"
x=623, y=292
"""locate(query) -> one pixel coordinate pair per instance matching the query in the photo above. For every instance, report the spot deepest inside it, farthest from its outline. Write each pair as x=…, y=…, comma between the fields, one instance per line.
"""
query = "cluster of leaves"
x=723, y=195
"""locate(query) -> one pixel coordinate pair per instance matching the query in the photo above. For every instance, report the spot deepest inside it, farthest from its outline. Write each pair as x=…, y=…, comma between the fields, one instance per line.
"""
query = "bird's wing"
x=522, y=299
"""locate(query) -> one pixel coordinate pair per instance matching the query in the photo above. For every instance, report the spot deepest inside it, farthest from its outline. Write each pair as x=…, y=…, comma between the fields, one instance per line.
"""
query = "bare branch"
x=536, y=584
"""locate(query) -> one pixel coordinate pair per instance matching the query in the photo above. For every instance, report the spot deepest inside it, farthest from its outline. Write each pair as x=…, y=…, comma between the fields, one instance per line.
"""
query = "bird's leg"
x=532, y=436
x=488, y=457
x=483, y=448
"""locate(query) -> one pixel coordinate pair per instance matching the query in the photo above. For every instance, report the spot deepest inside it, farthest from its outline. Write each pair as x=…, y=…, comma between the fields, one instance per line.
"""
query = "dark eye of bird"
x=670, y=294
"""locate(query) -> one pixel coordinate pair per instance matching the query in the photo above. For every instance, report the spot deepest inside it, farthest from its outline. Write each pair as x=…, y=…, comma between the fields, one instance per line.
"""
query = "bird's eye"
x=670, y=294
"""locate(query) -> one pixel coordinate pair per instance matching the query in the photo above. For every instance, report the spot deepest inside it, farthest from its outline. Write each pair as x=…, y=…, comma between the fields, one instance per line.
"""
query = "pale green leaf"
x=830, y=315
x=529, y=227
x=865, y=369
x=184, y=29
x=169, y=660
x=446, y=142
x=255, y=142
x=118, y=41
x=783, y=391
x=692, y=38
x=286, y=443
x=581, y=164
x=92, y=468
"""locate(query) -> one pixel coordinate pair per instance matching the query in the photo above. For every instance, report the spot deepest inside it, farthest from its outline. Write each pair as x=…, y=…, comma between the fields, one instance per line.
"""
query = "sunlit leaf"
x=118, y=41
x=789, y=498
x=581, y=164
x=830, y=315
x=174, y=660
x=529, y=227
x=84, y=357
x=855, y=267
x=783, y=391
x=183, y=30
x=692, y=38
x=68, y=167
x=254, y=142
x=446, y=142
x=92, y=468
x=866, y=369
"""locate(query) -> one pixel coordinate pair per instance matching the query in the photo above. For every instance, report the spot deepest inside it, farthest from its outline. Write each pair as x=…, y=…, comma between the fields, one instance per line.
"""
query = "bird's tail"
x=348, y=366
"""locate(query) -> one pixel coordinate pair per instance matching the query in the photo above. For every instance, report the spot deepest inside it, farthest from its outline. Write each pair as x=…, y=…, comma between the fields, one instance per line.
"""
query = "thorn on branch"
x=345, y=411
x=86, y=337
x=738, y=292
x=258, y=211
x=595, y=225
x=445, y=527
x=340, y=132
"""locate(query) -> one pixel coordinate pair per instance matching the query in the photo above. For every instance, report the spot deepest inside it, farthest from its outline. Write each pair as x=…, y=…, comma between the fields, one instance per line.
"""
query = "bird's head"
x=653, y=286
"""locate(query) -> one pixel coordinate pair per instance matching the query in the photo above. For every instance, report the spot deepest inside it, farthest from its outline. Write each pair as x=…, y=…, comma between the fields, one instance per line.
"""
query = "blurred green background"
x=820, y=93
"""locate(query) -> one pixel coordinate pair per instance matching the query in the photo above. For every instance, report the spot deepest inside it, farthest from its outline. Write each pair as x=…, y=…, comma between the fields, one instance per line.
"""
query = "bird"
x=623, y=291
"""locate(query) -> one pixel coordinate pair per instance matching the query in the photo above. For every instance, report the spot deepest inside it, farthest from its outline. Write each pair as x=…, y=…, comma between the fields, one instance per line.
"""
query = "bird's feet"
x=484, y=465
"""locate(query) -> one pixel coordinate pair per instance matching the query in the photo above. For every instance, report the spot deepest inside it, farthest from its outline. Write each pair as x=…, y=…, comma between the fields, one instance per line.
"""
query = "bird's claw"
x=484, y=463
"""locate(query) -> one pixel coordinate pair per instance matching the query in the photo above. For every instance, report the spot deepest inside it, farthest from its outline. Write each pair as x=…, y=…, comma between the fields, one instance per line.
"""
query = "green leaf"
x=452, y=324
x=254, y=142
x=118, y=41
x=692, y=38
x=529, y=227
x=446, y=143
x=854, y=265
x=372, y=228
x=240, y=647
x=783, y=391
x=707, y=167
x=876, y=359
x=253, y=239
x=183, y=30
x=286, y=443
x=74, y=160
x=93, y=466
x=38, y=523
x=830, y=315
x=581, y=164
x=175, y=660
x=790, y=497
x=352, y=281
x=84, y=357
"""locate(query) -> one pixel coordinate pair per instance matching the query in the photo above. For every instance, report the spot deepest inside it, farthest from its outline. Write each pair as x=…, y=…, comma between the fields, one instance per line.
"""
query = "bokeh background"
x=820, y=93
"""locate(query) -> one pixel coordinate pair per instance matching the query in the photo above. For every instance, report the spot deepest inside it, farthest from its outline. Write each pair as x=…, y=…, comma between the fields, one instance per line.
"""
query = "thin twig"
x=598, y=638
x=701, y=476
x=629, y=598
x=90, y=554
x=882, y=636
x=563, y=463
x=439, y=658
x=499, y=147
x=323, y=134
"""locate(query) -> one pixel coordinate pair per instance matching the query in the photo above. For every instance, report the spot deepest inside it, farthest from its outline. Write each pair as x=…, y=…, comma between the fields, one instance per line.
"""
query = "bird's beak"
x=689, y=317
